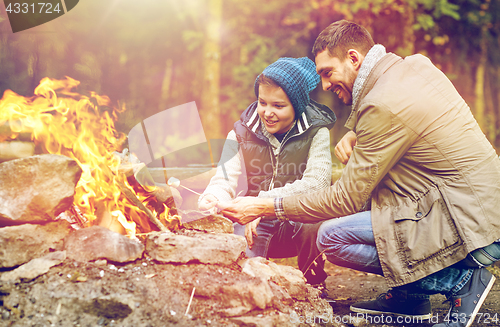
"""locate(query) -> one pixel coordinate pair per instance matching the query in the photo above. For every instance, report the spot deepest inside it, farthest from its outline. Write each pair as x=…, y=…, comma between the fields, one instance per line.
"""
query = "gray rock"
x=287, y=277
x=96, y=242
x=238, y=296
x=211, y=223
x=34, y=268
x=189, y=216
x=282, y=300
x=20, y=244
x=220, y=292
x=110, y=308
x=195, y=247
x=37, y=189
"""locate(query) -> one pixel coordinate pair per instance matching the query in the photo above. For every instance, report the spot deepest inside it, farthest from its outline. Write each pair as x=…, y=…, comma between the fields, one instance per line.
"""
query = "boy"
x=283, y=141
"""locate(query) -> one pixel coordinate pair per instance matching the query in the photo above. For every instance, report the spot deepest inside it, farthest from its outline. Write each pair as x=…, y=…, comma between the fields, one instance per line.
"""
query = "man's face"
x=337, y=75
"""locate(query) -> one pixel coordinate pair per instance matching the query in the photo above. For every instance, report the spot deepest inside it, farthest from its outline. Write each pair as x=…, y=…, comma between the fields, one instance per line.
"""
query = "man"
x=419, y=197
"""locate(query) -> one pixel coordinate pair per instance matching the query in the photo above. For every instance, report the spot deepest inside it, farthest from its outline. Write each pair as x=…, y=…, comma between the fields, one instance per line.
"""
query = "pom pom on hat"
x=296, y=76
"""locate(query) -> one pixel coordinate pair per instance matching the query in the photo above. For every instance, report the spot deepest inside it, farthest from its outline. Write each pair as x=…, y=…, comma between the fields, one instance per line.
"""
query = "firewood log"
x=15, y=150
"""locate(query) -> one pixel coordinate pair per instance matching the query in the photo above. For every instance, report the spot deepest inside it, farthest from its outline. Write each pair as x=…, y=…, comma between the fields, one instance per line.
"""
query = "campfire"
x=69, y=155
x=57, y=120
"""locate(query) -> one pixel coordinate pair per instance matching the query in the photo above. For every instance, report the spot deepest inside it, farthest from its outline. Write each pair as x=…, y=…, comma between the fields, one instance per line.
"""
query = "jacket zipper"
x=275, y=167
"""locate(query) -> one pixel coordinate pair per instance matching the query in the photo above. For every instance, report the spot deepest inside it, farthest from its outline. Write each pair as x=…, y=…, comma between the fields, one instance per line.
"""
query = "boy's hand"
x=207, y=202
x=343, y=149
x=250, y=231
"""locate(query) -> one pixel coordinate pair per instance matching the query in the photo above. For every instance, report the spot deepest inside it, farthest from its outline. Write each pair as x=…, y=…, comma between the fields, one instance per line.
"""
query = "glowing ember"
x=67, y=123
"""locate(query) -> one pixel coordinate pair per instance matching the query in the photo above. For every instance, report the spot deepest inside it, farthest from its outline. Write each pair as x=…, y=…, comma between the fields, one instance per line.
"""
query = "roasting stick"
x=190, y=190
x=135, y=200
x=174, y=182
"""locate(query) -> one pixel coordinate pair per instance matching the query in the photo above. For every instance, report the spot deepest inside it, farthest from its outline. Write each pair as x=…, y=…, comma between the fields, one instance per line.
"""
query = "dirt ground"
x=149, y=294
x=348, y=286
x=65, y=296
x=144, y=293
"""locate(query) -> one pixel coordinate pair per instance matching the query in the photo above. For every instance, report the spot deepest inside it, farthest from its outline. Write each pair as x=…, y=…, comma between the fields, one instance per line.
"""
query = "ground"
x=348, y=286
x=148, y=293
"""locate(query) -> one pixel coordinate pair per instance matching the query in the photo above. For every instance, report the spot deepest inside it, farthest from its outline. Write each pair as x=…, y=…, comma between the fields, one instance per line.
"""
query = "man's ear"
x=355, y=58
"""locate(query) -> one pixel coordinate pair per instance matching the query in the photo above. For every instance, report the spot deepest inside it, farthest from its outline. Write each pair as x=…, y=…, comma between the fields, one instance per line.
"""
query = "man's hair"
x=341, y=36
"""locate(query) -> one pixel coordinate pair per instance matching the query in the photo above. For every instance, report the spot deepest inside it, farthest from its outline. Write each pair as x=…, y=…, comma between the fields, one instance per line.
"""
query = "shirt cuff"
x=279, y=211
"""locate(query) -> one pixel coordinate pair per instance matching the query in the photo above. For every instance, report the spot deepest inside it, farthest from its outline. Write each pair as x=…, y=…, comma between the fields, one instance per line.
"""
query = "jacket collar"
x=372, y=57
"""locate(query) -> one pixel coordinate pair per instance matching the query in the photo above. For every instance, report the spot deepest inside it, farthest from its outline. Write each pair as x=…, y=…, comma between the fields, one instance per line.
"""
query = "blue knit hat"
x=296, y=76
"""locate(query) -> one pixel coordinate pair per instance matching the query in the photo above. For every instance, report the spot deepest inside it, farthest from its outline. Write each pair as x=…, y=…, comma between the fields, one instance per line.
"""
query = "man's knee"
x=323, y=240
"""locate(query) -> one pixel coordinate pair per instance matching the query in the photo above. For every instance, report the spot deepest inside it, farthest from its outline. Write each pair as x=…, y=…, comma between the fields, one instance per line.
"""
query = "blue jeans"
x=265, y=229
x=349, y=242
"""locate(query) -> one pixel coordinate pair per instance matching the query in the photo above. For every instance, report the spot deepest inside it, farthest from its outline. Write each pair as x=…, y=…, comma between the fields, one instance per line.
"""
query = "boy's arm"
x=223, y=184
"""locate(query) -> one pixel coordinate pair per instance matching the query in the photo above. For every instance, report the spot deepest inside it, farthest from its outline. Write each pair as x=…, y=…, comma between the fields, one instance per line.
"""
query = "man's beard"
x=351, y=77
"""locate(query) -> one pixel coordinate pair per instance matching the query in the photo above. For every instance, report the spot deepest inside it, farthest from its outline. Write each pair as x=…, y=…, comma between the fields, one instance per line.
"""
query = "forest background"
x=151, y=55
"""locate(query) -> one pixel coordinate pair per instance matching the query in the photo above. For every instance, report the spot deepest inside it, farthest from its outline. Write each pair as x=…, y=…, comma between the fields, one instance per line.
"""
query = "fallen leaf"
x=74, y=277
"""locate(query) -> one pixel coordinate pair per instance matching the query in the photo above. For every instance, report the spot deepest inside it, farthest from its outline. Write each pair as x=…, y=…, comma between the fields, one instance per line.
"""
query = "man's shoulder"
x=417, y=57
x=412, y=88
x=420, y=64
x=406, y=78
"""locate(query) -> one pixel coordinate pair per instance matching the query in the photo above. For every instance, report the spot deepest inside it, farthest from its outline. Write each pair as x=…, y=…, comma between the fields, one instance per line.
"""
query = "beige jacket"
x=433, y=177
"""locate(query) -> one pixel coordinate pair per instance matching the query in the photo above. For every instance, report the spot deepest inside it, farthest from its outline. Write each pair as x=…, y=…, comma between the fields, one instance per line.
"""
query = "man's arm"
x=316, y=176
x=246, y=209
x=382, y=140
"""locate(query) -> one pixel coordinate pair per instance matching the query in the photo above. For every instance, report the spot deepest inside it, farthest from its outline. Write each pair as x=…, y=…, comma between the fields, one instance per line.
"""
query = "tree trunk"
x=491, y=113
x=479, y=102
x=210, y=106
x=496, y=108
x=165, y=85
x=408, y=46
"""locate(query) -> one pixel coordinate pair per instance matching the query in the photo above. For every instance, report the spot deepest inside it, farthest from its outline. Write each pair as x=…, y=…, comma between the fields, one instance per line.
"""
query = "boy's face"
x=337, y=75
x=275, y=109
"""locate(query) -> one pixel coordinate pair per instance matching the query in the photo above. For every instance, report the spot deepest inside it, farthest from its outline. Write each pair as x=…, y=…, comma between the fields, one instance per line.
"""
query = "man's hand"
x=207, y=202
x=246, y=209
x=250, y=231
x=343, y=149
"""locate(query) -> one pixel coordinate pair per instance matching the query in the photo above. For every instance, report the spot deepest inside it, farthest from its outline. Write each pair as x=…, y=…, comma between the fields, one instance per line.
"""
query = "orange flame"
x=67, y=123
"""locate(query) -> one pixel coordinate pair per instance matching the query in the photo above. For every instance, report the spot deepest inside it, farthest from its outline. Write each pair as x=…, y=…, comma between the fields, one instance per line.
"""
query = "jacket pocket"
x=424, y=229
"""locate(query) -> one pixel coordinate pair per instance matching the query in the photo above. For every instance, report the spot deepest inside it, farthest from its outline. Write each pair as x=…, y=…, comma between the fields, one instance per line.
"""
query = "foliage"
x=149, y=55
